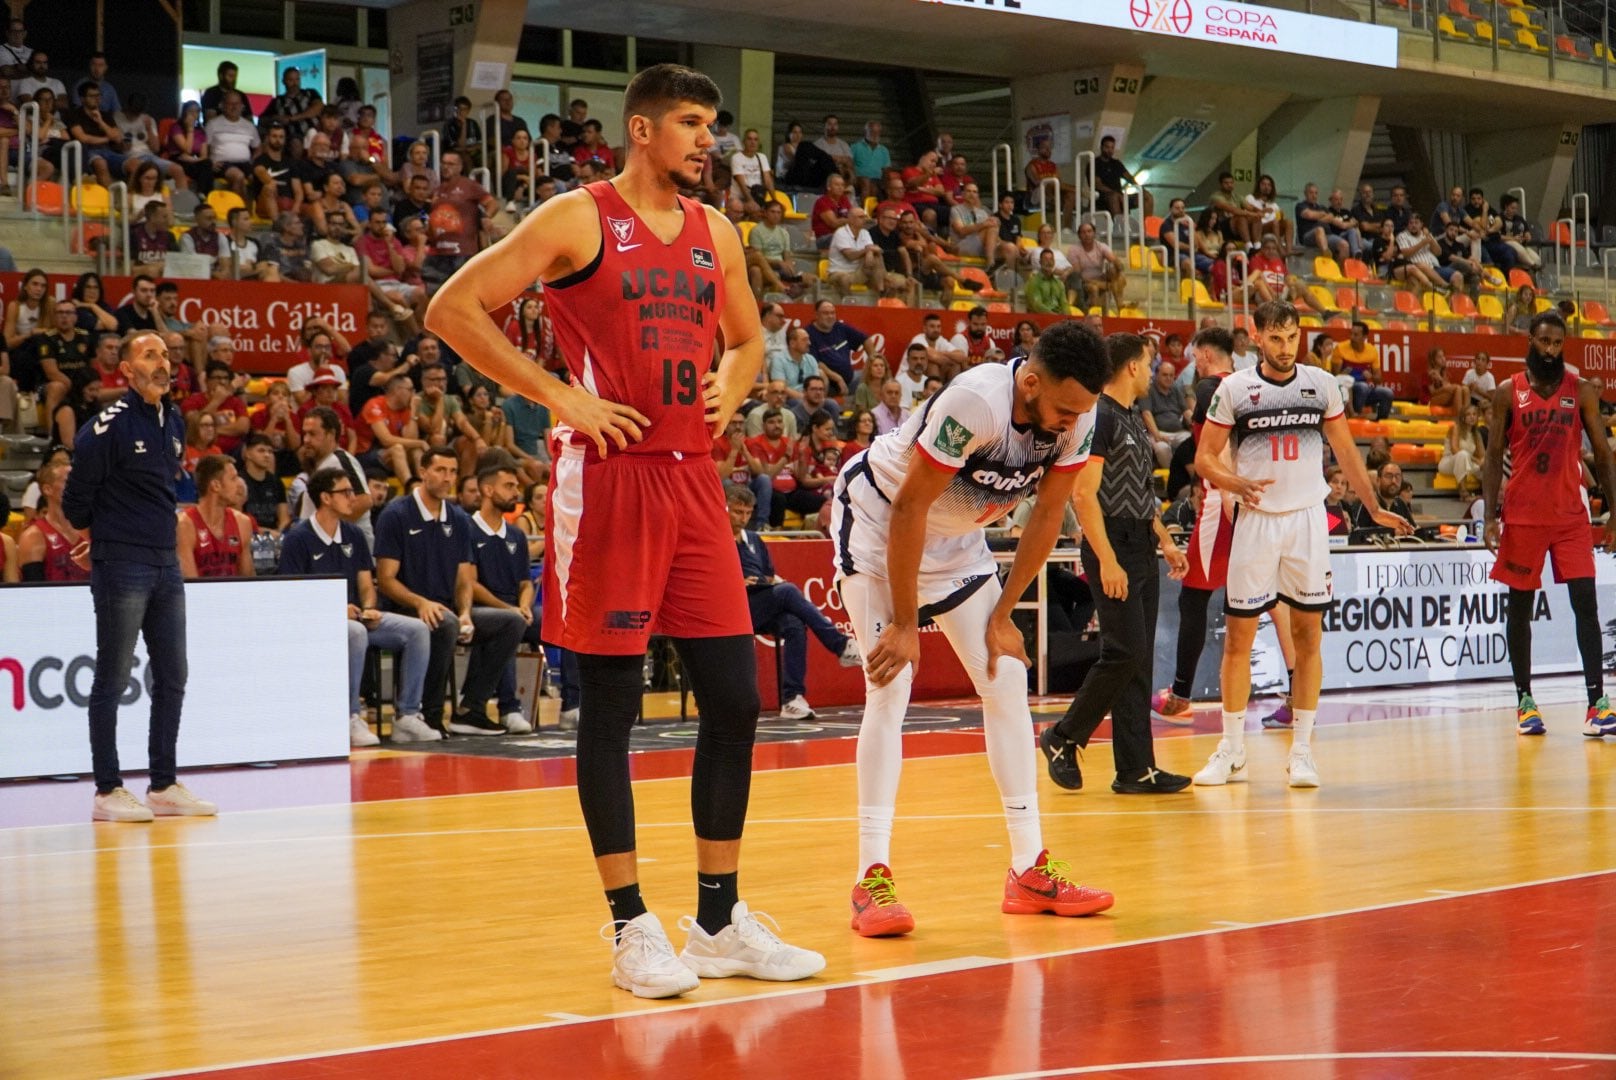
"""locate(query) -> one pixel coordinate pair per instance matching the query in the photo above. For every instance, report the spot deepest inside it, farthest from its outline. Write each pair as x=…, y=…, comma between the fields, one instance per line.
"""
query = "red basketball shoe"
x=1048, y=886
x=876, y=911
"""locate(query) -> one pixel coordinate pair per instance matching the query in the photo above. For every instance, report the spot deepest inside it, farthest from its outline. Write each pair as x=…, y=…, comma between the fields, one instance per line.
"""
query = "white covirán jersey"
x=1278, y=432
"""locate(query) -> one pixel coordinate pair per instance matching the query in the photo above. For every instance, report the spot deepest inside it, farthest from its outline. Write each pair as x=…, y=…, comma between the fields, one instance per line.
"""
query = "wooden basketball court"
x=1442, y=906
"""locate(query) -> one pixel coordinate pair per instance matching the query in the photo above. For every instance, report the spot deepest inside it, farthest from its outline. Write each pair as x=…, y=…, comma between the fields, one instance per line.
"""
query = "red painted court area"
x=1506, y=983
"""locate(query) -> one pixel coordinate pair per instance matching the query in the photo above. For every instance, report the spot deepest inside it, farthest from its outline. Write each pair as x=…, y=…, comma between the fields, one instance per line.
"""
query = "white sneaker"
x=176, y=800
x=746, y=947
x=359, y=733
x=516, y=723
x=643, y=962
x=119, y=804
x=1225, y=766
x=569, y=720
x=1303, y=773
x=412, y=727
x=797, y=709
x=851, y=657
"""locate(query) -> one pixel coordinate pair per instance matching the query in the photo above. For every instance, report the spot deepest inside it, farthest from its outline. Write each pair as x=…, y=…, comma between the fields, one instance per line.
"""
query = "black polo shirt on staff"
x=429, y=550
x=501, y=557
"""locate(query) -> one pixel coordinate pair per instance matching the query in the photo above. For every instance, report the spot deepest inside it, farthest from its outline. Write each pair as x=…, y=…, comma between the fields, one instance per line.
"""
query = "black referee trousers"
x=1120, y=680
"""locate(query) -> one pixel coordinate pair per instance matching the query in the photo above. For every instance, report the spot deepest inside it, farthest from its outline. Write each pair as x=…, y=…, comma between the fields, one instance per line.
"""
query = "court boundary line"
x=1345, y=1055
x=855, y=983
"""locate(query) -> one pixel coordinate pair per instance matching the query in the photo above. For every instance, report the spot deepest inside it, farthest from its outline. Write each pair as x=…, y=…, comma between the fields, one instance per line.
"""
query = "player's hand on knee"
x=897, y=648
x=1004, y=640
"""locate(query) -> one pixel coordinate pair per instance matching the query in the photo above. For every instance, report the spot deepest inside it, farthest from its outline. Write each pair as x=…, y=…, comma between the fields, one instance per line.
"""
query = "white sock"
x=1026, y=831
x=875, y=837
x=1302, y=728
x=1234, y=730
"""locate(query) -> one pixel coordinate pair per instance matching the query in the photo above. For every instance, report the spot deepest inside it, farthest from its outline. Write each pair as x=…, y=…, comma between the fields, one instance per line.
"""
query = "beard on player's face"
x=1544, y=367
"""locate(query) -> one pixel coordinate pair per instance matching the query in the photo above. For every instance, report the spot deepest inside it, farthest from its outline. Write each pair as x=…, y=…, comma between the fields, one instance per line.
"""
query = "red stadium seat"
x=1463, y=306
x=1407, y=303
x=1519, y=277
x=1358, y=270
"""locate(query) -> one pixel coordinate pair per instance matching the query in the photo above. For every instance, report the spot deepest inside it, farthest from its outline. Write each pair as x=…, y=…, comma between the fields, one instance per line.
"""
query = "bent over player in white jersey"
x=907, y=522
x=1278, y=414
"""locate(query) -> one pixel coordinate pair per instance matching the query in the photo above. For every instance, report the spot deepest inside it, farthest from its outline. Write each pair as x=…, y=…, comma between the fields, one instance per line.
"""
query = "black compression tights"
x=1192, y=608
x=1590, y=642
x=723, y=676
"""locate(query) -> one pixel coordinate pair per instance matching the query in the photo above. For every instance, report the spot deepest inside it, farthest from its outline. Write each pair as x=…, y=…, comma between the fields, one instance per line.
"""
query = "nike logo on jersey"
x=415, y=532
x=626, y=247
x=318, y=557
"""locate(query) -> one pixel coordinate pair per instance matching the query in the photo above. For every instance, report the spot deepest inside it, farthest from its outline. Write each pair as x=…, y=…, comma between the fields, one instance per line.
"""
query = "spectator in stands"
x=1023, y=339
x=1516, y=232
x=45, y=546
x=417, y=162
x=327, y=543
x=860, y=433
x=488, y=421
x=1271, y=279
x=470, y=496
x=953, y=176
x=751, y=169
x=1520, y=308
x=924, y=191
x=456, y=221
x=976, y=230
x=797, y=365
x=430, y=573
x=1364, y=211
x=1450, y=209
x=980, y=347
x=213, y=97
x=195, y=334
x=416, y=203
x=1236, y=220
x=1041, y=167
x=386, y=264
x=239, y=254
x=103, y=143
x=1177, y=233
x=151, y=239
x=266, y=495
x=201, y=440
x=15, y=50
x=213, y=538
x=1098, y=274
x=930, y=352
x=1423, y=255
x=1316, y=225
x=321, y=430
x=833, y=146
x=876, y=373
x=502, y=592
x=64, y=352
x=1169, y=411
x=39, y=78
x=373, y=148
x=1388, y=488
x=1380, y=251
x=233, y=142
x=1485, y=226
x=440, y=417
x=1454, y=249
x=1479, y=381
x=835, y=343
x=1397, y=208
x=770, y=455
x=1378, y=454
x=734, y=463
x=779, y=608
x=394, y=436
x=204, y=238
x=1264, y=199
x=1209, y=241
x=1465, y=449
x=870, y=159
x=891, y=412
x=219, y=401
x=1340, y=505
x=331, y=209
x=273, y=186
x=594, y=148
x=769, y=252
x=140, y=313
x=1045, y=290
x=311, y=171
x=333, y=260
x=1112, y=179
x=463, y=135
x=298, y=107
x=288, y=249
x=140, y=137
x=1360, y=359
x=812, y=400
x=830, y=211
x=1443, y=394
x=854, y=258
x=1343, y=229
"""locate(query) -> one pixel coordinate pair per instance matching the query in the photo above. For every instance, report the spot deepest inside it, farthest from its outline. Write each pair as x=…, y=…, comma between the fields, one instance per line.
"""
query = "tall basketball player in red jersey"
x=1541, y=415
x=643, y=285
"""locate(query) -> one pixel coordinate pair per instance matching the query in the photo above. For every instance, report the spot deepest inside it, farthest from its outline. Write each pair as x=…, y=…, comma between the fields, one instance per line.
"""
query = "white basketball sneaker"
x=1225, y=766
x=176, y=800
x=746, y=947
x=1303, y=773
x=643, y=961
x=516, y=724
x=359, y=733
x=412, y=727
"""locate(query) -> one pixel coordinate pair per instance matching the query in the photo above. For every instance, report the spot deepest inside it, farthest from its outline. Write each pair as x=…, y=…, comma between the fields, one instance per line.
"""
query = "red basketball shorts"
x=1522, y=547
x=639, y=544
x=1209, y=547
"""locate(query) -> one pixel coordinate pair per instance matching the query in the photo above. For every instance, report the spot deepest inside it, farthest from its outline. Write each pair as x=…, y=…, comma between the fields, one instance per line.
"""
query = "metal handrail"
x=537, y=153
x=1520, y=193
x=28, y=125
x=1093, y=186
x=434, y=139
x=72, y=183
x=1581, y=198
x=1245, y=284
x=481, y=175
x=1110, y=227
x=493, y=152
x=118, y=235
x=1604, y=263
x=388, y=112
x=1009, y=171
x=1168, y=263
x=1044, y=186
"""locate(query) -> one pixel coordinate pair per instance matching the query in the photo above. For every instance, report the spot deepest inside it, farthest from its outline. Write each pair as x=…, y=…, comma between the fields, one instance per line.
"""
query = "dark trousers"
x=133, y=600
x=797, y=501
x=782, y=610
x=1120, y=680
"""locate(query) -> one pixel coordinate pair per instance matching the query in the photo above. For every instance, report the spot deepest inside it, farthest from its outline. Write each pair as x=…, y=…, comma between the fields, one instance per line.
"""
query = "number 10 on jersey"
x=1285, y=447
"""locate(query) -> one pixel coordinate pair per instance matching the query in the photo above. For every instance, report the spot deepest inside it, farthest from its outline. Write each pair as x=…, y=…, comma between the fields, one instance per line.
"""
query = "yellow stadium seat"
x=1525, y=39
x=1194, y=290
x=1436, y=303
x=1444, y=482
x=745, y=229
x=1136, y=259
x=1311, y=321
x=778, y=196
x=92, y=199
x=1491, y=307
x=1325, y=269
x=1322, y=297
x=1446, y=27
x=962, y=305
x=223, y=200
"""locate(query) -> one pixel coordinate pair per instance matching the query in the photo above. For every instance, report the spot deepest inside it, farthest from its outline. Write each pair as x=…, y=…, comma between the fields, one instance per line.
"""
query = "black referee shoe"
x=1062, y=756
x=471, y=723
x=1151, y=782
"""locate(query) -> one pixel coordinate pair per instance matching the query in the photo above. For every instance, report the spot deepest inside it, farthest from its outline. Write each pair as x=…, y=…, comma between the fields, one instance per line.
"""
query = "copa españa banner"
x=263, y=320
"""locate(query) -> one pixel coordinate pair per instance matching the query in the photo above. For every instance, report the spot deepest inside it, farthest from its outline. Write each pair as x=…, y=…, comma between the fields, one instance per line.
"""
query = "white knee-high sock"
x=1234, y=729
x=875, y=837
x=1302, y=728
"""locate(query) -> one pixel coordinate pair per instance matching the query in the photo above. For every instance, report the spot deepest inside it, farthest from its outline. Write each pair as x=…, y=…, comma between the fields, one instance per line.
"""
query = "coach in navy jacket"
x=121, y=492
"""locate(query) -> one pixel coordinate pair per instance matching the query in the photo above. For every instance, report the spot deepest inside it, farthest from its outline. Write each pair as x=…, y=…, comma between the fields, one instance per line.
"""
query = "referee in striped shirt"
x=1122, y=529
